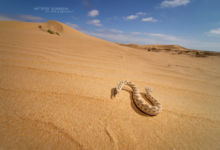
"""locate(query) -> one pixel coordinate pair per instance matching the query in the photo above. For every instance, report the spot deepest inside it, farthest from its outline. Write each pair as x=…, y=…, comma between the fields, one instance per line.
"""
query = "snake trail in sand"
x=152, y=110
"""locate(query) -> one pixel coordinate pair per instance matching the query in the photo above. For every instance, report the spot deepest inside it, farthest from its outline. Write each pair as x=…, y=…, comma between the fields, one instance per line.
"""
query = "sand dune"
x=158, y=47
x=55, y=93
x=173, y=49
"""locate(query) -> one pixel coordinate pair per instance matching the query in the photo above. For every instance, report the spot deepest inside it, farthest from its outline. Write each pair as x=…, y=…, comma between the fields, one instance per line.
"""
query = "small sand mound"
x=52, y=26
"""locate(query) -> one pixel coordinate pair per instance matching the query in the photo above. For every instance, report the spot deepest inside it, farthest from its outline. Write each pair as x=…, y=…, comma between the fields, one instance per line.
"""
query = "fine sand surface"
x=55, y=93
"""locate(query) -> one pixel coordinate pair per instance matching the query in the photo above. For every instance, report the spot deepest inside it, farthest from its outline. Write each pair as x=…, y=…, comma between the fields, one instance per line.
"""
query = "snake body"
x=152, y=110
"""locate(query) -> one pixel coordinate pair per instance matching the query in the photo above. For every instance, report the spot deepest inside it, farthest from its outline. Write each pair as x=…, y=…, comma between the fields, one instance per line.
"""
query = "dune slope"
x=55, y=93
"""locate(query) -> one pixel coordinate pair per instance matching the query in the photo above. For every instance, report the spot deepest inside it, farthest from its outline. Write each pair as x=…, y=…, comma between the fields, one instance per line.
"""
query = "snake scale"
x=152, y=110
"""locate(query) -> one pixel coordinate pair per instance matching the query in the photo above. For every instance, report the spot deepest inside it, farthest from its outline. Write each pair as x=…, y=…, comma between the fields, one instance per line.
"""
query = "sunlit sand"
x=55, y=93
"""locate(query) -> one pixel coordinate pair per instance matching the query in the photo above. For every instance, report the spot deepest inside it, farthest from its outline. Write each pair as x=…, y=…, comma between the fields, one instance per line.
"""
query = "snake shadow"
x=133, y=105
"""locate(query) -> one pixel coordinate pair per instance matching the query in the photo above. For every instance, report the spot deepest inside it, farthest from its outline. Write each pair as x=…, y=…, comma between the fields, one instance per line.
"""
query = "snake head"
x=115, y=92
x=148, y=89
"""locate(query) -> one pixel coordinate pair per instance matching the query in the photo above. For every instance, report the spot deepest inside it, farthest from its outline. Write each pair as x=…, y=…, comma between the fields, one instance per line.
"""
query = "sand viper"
x=152, y=110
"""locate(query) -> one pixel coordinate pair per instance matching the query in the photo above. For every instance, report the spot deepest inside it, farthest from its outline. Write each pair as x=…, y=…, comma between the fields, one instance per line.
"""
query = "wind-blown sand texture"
x=55, y=93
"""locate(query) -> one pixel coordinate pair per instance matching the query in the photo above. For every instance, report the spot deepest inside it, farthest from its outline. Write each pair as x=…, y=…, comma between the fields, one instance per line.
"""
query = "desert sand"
x=55, y=93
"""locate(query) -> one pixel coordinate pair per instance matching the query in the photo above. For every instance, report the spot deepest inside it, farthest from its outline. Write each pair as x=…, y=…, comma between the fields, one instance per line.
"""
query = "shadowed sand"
x=55, y=93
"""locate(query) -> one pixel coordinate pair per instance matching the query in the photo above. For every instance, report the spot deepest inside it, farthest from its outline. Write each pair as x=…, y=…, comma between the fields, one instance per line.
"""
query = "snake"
x=154, y=109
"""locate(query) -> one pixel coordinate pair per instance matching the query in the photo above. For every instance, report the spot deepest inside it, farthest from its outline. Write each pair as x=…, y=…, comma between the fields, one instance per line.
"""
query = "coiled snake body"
x=152, y=110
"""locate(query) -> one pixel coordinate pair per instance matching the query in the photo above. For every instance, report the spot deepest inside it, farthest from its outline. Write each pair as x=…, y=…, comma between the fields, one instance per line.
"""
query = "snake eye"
x=148, y=89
